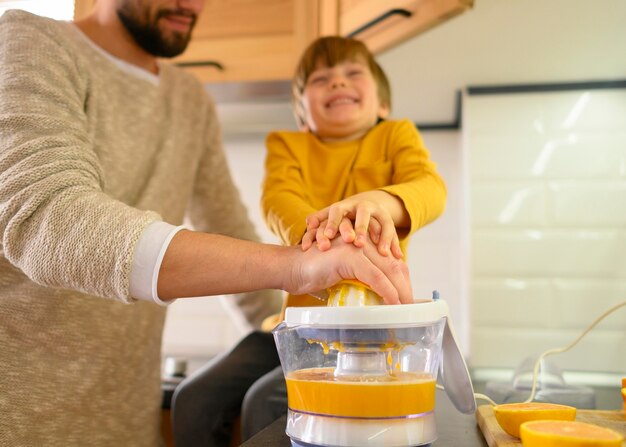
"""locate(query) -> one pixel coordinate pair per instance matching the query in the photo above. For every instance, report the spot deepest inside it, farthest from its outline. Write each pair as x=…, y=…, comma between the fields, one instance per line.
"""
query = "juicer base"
x=304, y=444
x=308, y=430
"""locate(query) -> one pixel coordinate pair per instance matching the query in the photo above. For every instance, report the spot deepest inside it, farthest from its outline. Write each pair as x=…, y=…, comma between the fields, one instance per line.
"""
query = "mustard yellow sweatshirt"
x=304, y=174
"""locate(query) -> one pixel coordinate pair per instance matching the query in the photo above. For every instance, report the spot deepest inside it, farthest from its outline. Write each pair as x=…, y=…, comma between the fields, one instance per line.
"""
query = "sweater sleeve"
x=415, y=179
x=56, y=222
x=285, y=203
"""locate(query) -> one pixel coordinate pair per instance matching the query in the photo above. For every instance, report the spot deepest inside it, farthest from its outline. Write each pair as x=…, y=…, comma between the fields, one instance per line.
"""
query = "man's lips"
x=179, y=21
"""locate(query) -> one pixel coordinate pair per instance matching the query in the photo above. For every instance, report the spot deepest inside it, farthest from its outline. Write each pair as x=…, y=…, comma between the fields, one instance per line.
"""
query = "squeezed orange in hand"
x=318, y=391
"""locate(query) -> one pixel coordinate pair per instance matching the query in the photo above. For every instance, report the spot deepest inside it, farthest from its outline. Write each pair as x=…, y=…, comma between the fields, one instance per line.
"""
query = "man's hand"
x=313, y=270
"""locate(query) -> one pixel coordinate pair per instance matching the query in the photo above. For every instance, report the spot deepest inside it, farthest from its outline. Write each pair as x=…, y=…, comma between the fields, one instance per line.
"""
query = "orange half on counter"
x=568, y=434
x=512, y=416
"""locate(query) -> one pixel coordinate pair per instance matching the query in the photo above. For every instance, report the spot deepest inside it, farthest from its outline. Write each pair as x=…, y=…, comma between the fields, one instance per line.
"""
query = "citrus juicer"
x=360, y=373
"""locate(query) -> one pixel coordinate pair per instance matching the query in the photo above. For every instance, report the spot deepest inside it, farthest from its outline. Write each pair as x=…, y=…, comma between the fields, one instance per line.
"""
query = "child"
x=349, y=171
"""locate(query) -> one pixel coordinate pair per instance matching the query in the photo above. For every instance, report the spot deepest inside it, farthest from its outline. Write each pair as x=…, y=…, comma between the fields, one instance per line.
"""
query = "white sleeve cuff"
x=147, y=261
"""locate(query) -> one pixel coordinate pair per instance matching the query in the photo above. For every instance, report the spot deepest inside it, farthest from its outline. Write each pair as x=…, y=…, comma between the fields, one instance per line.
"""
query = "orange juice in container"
x=361, y=373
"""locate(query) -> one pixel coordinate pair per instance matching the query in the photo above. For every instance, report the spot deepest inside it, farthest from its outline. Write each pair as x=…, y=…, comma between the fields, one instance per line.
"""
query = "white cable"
x=476, y=395
x=567, y=348
x=550, y=352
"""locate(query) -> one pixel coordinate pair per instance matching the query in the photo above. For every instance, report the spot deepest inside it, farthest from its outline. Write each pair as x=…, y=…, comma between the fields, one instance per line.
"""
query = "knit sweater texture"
x=90, y=154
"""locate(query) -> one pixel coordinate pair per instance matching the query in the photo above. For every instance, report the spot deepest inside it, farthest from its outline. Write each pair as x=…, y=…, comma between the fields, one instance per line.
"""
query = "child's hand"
x=316, y=232
x=368, y=216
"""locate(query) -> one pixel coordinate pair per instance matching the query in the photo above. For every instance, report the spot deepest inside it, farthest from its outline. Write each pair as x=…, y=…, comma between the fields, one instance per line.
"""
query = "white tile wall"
x=570, y=197
x=601, y=350
x=547, y=253
x=547, y=178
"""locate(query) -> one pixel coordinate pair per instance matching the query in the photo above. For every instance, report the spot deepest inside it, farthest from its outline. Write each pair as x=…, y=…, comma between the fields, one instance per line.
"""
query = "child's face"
x=341, y=102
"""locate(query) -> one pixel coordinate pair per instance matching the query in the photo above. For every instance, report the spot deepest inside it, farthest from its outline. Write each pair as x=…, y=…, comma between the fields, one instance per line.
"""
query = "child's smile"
x=341, y=102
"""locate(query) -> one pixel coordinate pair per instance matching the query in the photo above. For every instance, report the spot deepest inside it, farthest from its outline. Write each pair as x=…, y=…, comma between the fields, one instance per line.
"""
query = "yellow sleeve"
x=284, y=201
x=415, y=180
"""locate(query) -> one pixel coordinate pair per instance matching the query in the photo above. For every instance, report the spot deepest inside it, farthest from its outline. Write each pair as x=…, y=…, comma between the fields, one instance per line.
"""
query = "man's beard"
x=145, y=31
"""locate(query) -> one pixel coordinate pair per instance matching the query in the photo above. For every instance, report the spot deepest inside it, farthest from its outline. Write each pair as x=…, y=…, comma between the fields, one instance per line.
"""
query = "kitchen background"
x=532, y=246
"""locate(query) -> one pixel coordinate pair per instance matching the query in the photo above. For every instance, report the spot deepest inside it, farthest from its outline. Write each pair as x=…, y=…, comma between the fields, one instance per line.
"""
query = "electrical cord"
x=567, y=348
x=551, y=352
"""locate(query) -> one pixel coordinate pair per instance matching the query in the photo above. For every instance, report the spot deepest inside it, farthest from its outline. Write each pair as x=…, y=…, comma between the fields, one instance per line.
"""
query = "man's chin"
x=174, y=43
x=173, y=46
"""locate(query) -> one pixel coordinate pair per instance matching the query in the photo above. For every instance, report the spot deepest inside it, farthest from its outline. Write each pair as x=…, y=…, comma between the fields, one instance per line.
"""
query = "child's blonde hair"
x=328, y=52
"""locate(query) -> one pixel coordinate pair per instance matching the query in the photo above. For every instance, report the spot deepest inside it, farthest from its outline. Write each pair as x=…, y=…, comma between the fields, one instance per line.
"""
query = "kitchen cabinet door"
x=82, y=8
x=263, y=40
x=382, y=25
x=249, y=40
x=254, y=40
x=245, y=40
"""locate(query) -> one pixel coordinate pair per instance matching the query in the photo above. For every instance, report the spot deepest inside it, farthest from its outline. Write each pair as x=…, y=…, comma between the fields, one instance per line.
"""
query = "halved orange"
x=568, y=434
x=511, y=416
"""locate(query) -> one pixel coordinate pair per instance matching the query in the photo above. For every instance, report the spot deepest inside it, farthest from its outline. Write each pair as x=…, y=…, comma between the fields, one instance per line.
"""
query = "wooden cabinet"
x=242, y=40
x=262, y=40
x=239, y=40
x=382, y=25
x=82, y=8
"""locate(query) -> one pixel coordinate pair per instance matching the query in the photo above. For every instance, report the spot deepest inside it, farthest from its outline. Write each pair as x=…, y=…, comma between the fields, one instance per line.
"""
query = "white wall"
x=548, y=226
x=501, y=42
x=506, y=42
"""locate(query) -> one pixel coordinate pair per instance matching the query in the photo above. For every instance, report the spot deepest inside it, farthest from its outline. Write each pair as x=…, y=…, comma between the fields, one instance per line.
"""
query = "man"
x=103, y=150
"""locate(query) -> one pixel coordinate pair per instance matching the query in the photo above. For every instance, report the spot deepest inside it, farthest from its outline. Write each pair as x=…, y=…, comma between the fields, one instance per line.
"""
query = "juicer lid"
x=375, y=316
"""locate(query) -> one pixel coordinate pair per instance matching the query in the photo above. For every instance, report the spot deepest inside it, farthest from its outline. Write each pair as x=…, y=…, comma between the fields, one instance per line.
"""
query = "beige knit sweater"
x=89, y=155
